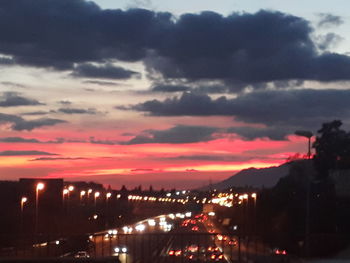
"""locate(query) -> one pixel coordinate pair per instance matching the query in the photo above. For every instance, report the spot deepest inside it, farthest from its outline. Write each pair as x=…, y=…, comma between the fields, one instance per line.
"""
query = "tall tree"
x=332, y=148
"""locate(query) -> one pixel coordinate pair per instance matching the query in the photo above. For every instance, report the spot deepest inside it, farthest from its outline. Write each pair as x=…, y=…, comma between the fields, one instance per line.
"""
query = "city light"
x=70, y=188
x=140, y=227
x=40, y=186
x=151, y=222
x=23, y=200
x=108, y=195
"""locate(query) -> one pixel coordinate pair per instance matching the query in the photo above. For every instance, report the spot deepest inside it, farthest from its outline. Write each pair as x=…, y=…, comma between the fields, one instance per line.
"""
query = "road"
x=165, y=238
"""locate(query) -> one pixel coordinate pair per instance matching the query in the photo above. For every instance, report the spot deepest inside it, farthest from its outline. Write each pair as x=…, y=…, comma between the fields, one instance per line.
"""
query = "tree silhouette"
x=332, y=148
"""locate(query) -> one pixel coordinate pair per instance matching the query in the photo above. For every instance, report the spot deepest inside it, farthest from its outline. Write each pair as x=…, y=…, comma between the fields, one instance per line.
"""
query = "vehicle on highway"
x=217, y=256
x=82, y=254
x=120, y=250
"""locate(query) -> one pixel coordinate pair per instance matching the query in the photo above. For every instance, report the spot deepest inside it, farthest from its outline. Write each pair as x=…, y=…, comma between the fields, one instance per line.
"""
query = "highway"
x=165, y=238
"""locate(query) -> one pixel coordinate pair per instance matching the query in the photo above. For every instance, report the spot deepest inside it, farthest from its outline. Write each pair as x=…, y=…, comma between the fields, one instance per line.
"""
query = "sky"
x=166, y=93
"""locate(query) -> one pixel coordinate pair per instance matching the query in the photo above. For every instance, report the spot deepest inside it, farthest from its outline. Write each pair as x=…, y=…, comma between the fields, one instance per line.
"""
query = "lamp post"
x=70, y=189
x=108, y=195
x=308, y=135
x=82, y=194
x=96, y=195
x=88, y=193
x=23, y=201
x=39, y=187
x=254, y=196
x=64, y=193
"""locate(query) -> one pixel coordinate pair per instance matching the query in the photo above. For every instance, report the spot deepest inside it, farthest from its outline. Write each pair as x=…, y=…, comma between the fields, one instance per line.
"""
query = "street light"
x=23, y=201
x=108, y=195
x=82, y=194
x=254, y=196
x=96, y=195
x=39, y=187
x=308, y=135
x=89, y=192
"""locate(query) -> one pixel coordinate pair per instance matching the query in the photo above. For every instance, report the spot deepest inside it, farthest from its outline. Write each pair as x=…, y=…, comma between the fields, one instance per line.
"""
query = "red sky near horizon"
x=183, y=165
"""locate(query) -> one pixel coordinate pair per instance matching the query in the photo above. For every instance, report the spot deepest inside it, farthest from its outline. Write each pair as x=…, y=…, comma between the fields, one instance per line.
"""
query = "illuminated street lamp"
x=23, y=201
x=108, y=195
x=70, y=188
x=88, y=193
x=39, y=187
x=96, y=195
x=82, y=194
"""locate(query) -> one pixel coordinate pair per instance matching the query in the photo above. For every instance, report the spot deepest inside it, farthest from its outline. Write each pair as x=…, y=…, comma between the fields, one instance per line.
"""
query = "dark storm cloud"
x=24, y=153
x=107, y=71
x=77, y=111
x=6, y=61
x=270, y=107
x=12, y=99
x=196, y=88
x=241, y=47
x=327, y=20
x=170, y=88
x=18, y=123
x=177, y=134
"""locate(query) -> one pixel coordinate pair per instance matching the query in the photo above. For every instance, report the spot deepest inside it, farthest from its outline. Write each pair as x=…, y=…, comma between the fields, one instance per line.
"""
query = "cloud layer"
x=242, y=47
x=19, y=124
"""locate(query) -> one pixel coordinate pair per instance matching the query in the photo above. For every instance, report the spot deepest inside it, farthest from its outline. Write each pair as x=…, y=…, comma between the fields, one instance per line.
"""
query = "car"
x=217, y=257
x=174, y=252
x=82, y=254
x=195, y=228
x=120, y=250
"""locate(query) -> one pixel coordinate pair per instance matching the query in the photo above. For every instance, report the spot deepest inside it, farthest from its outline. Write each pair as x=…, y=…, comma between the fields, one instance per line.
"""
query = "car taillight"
x=221, y=256
x=171, y=252
x=212, y=257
